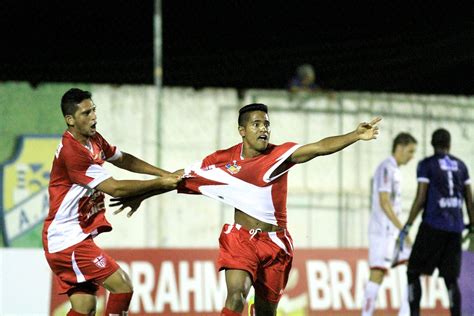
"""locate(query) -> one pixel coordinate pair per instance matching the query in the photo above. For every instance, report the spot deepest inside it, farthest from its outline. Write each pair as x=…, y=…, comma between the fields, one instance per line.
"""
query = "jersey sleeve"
x=82, y=170
x=384, y=179
x=422, y=173
x=279, y=156
x=111, y=152
x=209, y=161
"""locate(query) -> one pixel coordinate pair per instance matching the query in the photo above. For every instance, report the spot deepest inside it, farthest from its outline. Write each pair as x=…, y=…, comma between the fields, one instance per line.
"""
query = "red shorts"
x=81, y=267
x=267, y=256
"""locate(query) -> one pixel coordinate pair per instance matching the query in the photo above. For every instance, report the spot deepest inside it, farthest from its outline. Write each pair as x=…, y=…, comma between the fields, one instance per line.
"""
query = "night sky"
x=375, y=46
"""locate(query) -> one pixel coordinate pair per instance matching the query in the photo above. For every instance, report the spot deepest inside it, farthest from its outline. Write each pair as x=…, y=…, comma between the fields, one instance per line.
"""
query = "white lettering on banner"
x=167, y=292
x=318, y=284
x=188, y=285
x=341, y=284
x=207, y=287
x=330, y=284
x=143, y=280
x=361, y=277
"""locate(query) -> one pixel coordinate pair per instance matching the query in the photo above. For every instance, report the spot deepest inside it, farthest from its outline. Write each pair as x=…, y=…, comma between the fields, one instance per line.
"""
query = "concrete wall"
x=329, y=197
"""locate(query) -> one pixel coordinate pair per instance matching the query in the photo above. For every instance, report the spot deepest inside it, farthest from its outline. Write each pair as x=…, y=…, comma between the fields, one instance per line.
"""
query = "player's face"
x=407, y=152
x=84, y=121
x=256, y=132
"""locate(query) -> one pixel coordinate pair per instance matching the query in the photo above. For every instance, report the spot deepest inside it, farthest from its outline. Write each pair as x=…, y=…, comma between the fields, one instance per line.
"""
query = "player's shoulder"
x=223, y=154
x=278, y=150
x=427, y=160
x=387, y=163
x=281, y=147
x=70, y=148
x=97, y=138
x=458, y=160
x=227, y=151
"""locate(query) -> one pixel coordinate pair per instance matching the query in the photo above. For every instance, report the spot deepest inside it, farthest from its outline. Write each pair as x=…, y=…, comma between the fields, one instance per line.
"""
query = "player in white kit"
x=385, y=224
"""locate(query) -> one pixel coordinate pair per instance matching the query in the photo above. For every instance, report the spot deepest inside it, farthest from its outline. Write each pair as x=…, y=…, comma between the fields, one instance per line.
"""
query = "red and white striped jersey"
x=246, y=184
x=76, y=209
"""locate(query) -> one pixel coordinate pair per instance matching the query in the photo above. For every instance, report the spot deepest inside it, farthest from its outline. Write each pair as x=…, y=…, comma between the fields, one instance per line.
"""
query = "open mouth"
x=93, y=126
x=263, y=137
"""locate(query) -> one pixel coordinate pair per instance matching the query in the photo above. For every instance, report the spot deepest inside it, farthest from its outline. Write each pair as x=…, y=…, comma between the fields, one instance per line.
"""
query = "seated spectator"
x=304, y=80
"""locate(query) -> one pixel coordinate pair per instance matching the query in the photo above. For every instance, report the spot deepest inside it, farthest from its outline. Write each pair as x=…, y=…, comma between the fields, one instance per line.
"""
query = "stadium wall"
x=329, y=197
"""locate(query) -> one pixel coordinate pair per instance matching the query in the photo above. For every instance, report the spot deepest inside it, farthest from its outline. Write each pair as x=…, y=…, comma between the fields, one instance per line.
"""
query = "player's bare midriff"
x=249, y=222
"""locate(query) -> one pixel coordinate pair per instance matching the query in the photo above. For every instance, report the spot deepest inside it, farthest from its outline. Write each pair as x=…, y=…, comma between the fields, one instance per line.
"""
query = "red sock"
x=74, y=313
x=227, y=312
x=118, y=304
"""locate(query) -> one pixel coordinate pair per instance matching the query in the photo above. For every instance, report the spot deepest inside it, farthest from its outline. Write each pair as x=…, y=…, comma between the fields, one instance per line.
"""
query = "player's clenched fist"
x=170, y=182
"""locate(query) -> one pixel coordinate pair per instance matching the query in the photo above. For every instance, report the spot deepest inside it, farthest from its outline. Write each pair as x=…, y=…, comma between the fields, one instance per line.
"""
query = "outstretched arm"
x=134, y=164
x=134, y=202
x=124, y=188
x=329, y=145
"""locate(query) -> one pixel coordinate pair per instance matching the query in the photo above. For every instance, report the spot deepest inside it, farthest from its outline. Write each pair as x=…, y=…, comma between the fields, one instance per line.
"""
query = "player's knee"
x=377, y=275
x=119, y=282
x=235, y=299
x=84, y=304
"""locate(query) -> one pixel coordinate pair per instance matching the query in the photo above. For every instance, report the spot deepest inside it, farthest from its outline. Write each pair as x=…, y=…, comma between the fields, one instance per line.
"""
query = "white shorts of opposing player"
x=382, y=249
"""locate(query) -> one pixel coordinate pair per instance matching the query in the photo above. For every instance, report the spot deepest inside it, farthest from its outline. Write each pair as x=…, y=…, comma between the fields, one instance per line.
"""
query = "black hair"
x=72, y=98
x=441, y=139
x=244, y=112
x=403, y=139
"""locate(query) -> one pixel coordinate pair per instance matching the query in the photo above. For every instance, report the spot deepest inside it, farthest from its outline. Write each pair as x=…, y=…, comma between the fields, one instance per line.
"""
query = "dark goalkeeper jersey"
x=447, y=177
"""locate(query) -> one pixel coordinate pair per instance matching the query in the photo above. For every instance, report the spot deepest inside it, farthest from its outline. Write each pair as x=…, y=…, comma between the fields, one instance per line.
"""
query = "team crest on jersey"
x=233, y=168
x=100, y=261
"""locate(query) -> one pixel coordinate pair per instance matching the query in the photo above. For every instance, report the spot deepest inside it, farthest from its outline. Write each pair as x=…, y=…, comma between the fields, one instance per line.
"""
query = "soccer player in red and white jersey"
x=252, y=176
x=76, y=215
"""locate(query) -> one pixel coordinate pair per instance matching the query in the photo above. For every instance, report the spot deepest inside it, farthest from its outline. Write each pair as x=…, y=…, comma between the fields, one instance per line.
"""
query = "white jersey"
x=387, y=178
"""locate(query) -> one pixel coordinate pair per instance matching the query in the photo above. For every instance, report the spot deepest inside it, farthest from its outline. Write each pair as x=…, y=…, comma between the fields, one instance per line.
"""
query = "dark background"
x=363, y=46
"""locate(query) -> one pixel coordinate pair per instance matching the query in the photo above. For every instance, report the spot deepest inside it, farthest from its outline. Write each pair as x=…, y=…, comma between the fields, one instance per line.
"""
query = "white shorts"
x=382, y=249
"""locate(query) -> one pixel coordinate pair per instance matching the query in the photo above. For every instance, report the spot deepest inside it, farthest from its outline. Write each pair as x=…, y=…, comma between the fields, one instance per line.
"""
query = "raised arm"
x=134, y=164
x=329, y=145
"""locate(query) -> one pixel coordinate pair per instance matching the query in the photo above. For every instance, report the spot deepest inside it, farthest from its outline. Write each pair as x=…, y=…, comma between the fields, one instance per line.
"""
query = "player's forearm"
x=415, y=210
x=134, y=164
x=323, y=147
x=387, y=208
x=126, y=188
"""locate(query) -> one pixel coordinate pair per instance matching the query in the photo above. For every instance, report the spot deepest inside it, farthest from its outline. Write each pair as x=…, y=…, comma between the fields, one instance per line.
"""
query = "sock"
x=74, y=313
x=404, y=304
x=414, y=293
x=227, y=312
x=454, y=296
x=370, y=297
x=118, y=304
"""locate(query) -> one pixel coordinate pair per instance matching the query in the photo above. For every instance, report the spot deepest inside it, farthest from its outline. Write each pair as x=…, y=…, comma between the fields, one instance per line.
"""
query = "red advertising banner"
x=322, y=282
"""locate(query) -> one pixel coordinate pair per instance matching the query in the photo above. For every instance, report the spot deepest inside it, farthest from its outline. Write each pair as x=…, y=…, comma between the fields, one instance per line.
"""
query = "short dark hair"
x=244, y=112
x=403, y=139
x=72, y=98
x=441, y=139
